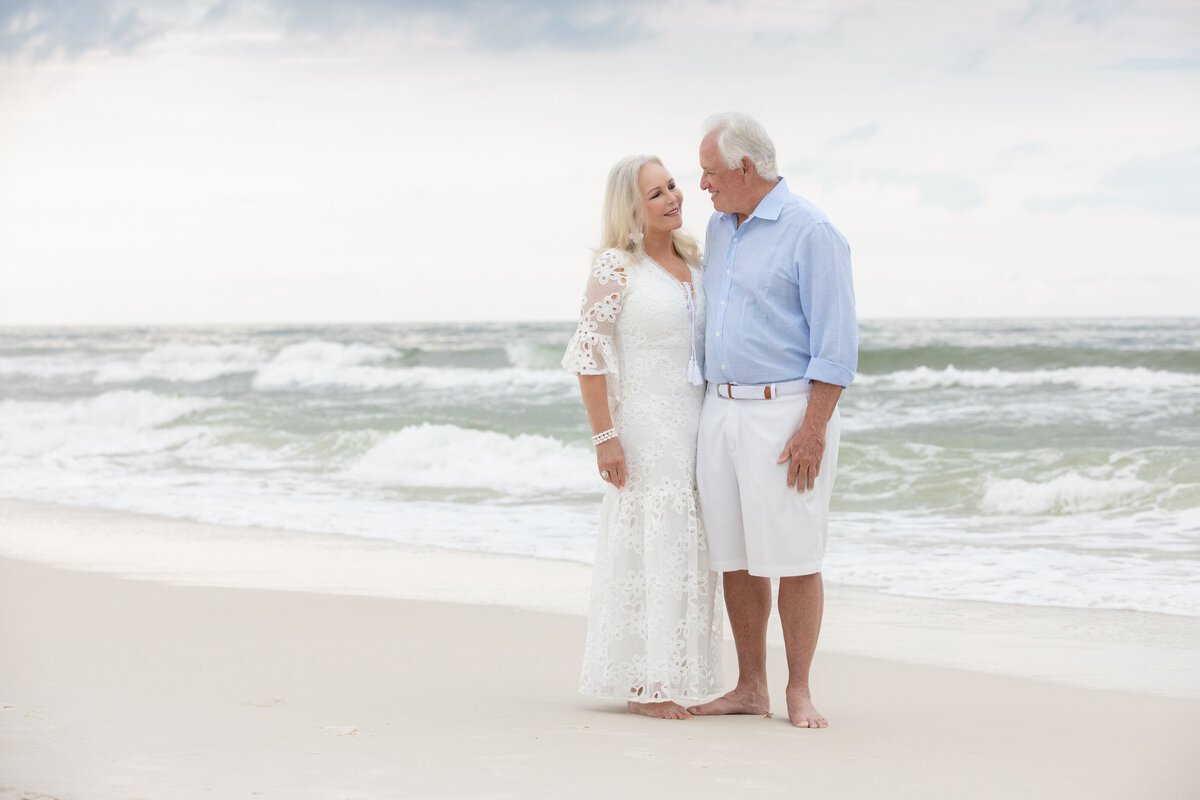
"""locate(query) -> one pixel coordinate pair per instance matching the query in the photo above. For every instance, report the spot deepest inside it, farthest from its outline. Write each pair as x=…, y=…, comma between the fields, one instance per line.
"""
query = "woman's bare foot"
x=801, y=710
x=667, y=710
x=739, y=701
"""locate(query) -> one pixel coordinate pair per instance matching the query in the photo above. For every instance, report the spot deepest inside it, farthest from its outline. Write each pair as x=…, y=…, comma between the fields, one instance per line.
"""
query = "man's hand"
x=807, y=445
x=804, y=450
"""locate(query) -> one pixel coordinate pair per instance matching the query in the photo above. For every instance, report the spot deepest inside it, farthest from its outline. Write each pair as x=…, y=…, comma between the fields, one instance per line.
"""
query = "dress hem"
x=637, y=698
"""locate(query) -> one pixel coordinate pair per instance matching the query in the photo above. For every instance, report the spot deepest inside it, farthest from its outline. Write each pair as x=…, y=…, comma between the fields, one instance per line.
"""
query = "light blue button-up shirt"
x=780, y=296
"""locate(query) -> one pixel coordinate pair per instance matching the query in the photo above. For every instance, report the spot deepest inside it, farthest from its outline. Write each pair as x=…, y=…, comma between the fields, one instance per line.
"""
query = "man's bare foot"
x=667, y=710
x=801, y=710
x=739, y=701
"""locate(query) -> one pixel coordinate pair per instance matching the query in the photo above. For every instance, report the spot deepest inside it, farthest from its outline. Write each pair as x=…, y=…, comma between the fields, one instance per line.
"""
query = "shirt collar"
x=770, y=206
x=767, y=208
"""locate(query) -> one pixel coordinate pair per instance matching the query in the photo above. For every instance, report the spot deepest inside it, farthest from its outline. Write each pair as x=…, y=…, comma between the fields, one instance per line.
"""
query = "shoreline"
x=1129, y=651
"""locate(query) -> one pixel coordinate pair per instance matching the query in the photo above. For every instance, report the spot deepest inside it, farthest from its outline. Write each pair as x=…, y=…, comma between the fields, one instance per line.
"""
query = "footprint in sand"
x=340, y=730
x=274, y=701
x=13, y=793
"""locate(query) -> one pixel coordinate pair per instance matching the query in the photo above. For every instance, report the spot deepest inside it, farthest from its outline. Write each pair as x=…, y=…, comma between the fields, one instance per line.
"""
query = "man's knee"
x=742, y=577
x=800, y=583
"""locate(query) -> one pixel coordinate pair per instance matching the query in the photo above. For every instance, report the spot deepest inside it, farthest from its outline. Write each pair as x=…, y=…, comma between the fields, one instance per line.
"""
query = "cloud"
x=495, y=24
x=41, y=29
x=1083, y=12
x=944, y=189
x=973, y=60
x=1159, y=64
x=949, y=190
x=860, y=134
x=1166, y=184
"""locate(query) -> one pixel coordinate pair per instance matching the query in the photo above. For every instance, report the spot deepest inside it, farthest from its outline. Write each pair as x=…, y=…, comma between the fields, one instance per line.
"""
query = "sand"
x=112, y=687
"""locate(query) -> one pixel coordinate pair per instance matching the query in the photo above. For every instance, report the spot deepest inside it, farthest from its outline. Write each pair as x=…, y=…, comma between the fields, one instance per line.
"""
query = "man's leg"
x=801, y=605
x=748, y=599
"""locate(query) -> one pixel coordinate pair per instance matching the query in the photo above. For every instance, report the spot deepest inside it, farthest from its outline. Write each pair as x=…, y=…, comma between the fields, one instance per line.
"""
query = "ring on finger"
x=604, y=474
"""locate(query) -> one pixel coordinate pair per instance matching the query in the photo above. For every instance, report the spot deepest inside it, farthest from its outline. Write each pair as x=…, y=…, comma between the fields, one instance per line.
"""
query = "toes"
x=814, y=722
x=667, y=710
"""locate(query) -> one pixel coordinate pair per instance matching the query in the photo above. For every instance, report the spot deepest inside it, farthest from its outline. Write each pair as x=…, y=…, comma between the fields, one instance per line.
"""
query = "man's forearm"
x=821, y=403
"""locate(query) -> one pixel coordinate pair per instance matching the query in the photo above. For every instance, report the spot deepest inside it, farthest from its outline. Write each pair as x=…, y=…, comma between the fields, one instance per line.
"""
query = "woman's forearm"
x=594, y=389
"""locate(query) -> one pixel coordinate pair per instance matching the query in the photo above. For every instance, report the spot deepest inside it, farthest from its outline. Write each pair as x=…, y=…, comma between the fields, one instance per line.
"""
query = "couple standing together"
x=729, y=475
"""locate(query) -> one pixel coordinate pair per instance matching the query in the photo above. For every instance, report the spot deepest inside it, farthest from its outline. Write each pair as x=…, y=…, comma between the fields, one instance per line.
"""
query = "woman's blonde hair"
x=624, y=216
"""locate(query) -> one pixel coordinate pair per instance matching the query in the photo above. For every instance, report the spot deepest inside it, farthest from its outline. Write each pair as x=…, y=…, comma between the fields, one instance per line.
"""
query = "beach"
x=299, y=496
x=161, y=674
x=353, y=561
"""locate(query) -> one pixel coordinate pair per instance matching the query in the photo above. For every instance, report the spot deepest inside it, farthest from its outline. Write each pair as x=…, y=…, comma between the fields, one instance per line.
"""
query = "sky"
x=272, y=161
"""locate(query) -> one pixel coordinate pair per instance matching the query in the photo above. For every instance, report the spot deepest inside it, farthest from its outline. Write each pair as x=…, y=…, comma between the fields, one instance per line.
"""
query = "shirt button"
x=722, y=302
x=718, y=333
x=728, y=272
x=722, y=366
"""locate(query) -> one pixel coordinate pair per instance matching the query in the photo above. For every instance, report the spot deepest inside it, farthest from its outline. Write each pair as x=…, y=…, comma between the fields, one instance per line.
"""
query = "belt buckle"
x=724, y=390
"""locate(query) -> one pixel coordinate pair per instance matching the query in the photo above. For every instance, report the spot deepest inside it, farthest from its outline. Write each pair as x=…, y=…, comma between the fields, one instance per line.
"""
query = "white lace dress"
x=655, y=626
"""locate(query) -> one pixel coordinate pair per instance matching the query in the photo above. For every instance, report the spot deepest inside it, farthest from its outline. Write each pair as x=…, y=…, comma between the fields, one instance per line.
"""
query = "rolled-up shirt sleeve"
x=827, y=296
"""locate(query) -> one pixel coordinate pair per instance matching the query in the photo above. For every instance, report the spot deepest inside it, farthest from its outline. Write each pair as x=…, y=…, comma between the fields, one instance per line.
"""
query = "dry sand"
x=117, y=688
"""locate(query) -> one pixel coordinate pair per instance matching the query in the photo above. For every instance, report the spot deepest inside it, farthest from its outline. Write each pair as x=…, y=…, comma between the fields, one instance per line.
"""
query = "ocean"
x=1039, y=462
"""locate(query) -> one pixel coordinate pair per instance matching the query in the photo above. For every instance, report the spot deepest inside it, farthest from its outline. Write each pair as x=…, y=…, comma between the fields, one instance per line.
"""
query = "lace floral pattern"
x=654, y=630
x=590, y=351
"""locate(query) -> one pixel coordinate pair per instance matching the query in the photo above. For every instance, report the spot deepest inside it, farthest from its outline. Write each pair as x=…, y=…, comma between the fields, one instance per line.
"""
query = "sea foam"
x=1108, y=378
x=532, y=355
x=448, y=456
x=1069, y=493
x=113, y=422
x=184, y=363
x=960, y=481
x=58, y=366
x=317, y=364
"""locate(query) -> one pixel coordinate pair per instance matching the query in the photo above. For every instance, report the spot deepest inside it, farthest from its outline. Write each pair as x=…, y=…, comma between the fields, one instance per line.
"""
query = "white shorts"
x=753, y=520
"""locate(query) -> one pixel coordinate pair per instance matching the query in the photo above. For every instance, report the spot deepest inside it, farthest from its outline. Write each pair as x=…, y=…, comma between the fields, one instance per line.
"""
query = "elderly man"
x=781, y=344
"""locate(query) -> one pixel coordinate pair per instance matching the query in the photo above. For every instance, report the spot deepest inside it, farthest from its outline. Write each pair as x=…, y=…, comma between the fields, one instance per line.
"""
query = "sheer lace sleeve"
x=590, y=351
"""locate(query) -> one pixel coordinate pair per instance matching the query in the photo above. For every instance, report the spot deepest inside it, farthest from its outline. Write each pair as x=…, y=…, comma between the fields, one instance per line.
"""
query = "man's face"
x=726, y=187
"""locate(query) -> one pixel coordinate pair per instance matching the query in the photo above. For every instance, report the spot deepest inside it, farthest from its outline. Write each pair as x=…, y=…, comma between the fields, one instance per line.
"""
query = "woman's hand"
x=610, y=459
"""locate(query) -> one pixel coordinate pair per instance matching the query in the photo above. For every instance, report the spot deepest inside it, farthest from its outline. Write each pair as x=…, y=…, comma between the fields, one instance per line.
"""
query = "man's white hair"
x=742, y=136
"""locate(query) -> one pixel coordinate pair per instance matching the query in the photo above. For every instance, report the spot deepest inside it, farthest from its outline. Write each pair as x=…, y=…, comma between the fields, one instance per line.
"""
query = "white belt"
x=749, y=391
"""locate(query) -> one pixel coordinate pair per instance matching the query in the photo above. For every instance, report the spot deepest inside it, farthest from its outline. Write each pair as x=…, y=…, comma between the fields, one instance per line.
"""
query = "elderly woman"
x=654, y=633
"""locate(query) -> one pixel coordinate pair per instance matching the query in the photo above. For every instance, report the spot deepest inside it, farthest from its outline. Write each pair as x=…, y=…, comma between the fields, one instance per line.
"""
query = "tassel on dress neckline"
x=693, y=368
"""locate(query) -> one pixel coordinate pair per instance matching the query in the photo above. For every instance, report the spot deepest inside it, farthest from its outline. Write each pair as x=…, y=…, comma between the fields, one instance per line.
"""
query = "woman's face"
x=661, y=198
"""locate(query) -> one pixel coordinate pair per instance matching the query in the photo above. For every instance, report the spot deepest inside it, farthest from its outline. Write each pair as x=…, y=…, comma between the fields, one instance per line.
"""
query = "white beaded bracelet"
x=604, y=436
